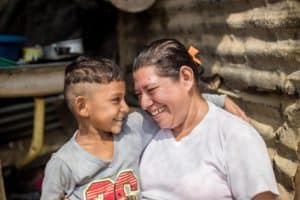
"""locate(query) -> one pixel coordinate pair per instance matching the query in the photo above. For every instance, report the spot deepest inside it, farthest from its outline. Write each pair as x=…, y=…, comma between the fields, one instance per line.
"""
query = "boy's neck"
x=92, y=133
x=95, y=135
x=98, y=144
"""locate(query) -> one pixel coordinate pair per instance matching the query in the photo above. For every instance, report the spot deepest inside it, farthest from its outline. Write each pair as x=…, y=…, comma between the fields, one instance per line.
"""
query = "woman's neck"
x=197, y=109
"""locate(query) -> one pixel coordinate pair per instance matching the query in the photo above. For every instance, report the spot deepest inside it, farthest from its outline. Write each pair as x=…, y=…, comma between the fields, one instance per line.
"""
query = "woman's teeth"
x=157, y=111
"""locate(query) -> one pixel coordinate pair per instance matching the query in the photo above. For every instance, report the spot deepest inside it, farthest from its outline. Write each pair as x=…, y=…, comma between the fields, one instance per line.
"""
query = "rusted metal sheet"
x=254, y=78
x=230, y=45
x=281, y=14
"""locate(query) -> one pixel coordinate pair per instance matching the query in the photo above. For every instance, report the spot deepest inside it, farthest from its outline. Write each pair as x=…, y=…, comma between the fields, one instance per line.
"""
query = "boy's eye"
x=116, y=100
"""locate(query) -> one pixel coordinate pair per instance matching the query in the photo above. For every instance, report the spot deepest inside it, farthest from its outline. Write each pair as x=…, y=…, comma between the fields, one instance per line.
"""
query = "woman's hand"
x=233, y=108
x=265, y=196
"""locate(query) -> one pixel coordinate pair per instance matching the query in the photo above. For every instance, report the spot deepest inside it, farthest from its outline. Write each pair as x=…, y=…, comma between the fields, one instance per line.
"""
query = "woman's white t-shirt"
x=222, y=158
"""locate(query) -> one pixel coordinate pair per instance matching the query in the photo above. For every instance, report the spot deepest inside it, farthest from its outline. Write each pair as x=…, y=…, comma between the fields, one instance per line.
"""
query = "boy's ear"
x=81, y=107
x=186, y=76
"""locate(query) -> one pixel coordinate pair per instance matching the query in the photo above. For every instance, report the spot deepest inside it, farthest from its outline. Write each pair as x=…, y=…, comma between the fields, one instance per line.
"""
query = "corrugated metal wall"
x=254, y=49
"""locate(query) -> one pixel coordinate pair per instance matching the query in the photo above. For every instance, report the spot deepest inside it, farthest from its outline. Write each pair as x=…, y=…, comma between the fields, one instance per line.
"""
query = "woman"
x=201, y=151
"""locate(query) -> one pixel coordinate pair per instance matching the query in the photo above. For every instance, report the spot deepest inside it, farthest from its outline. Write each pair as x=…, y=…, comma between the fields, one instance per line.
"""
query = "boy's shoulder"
x=61, y=160
x=141, y=121
x=72, y=157
x=139, y=116
x=137, y=113
x=65, y=152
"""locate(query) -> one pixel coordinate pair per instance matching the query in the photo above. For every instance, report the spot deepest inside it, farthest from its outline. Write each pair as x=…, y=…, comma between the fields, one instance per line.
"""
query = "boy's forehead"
x=106, y=88
x=88, y=85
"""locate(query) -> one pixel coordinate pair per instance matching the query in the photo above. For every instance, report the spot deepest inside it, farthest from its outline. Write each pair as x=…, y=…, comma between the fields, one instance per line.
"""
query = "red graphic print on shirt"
x=125, y=187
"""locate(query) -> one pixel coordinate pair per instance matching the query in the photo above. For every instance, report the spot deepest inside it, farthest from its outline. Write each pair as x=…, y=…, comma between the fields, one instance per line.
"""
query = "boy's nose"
x=124, y=107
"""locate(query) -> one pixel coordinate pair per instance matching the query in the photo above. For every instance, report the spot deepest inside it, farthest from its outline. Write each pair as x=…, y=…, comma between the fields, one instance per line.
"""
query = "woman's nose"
x=145, y=101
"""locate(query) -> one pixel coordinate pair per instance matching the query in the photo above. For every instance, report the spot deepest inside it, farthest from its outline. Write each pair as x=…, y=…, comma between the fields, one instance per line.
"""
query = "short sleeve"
x=218, y=100
x=249, y=167
x=57, y=181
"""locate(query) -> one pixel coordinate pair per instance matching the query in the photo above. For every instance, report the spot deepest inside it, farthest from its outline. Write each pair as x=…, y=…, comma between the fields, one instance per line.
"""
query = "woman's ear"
x=186, y=76
x=81, y=107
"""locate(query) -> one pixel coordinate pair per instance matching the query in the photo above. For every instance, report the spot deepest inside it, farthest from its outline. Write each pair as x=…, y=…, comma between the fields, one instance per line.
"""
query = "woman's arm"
x=248, y=165
x=228, y=104
x=265, y=196
x=233, y=108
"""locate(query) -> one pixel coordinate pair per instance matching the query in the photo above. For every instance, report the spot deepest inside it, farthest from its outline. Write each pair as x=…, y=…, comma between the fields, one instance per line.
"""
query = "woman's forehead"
x=146, y=78
x=145, y=74
x=146, y=71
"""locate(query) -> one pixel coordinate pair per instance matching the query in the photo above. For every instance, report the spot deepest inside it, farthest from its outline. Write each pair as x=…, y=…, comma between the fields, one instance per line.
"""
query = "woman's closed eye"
x=138, y=95
x=151, y=90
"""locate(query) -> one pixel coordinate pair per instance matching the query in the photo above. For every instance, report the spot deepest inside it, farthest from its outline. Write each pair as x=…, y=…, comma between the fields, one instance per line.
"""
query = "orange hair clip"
x=193, y=52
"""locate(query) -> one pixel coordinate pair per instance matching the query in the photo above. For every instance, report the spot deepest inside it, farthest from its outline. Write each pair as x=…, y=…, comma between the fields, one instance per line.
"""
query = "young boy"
x=101, y=160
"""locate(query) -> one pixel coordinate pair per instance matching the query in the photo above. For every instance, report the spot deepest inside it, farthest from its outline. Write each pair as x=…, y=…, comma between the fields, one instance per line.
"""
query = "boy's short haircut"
x=89, y=70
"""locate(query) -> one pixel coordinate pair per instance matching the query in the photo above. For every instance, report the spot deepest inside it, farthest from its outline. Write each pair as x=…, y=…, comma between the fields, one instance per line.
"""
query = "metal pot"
x=132, y=6
x=63, y=49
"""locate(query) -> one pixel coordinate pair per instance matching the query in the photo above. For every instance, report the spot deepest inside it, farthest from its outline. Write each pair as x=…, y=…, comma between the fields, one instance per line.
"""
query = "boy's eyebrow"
x=118, y=93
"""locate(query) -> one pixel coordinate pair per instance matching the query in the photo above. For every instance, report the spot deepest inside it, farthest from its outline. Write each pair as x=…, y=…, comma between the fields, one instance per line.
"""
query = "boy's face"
x=107, y=107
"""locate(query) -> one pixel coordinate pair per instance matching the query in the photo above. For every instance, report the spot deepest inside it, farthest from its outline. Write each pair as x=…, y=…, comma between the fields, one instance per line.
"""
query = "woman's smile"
x=157, y=111
x=160, y=97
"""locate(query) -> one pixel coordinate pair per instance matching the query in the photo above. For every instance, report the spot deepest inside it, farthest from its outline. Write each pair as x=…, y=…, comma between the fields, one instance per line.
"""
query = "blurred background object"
x=63, y=49
x=32, y=53
x=132, y=6
x=11, y=46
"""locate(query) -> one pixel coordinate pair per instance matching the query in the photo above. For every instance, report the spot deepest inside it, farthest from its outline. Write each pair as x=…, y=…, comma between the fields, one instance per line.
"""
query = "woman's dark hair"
x=167, y=56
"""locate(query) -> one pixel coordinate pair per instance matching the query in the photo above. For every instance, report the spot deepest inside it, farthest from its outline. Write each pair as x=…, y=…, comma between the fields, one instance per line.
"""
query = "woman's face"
x=165, y=99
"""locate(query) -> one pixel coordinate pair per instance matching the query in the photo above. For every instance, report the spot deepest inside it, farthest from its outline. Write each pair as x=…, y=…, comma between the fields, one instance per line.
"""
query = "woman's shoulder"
x=233, y=126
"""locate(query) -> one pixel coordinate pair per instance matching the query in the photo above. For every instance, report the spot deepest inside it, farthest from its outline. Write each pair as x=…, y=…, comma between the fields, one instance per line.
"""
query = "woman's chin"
x=163, y=120
x=163, y=125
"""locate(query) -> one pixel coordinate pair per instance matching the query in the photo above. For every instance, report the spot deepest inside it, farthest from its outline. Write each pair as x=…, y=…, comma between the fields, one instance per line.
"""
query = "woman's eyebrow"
x=149, y=85
x=145, y=87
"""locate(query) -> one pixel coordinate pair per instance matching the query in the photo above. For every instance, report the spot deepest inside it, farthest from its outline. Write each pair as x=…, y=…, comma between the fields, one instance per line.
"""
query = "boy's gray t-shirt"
x=84, y=176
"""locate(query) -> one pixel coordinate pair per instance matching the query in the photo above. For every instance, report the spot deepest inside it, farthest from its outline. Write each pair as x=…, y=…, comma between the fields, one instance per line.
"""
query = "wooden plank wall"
x=254, y=47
